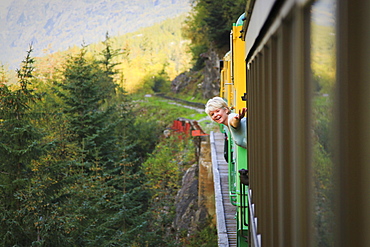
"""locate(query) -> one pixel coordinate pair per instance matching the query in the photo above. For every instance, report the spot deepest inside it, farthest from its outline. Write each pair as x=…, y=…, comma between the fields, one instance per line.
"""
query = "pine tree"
x=84, y=94
x=19, y=146
x=104, y=202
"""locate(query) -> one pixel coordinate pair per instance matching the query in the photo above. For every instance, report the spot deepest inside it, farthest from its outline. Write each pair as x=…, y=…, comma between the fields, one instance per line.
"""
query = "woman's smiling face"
x=219, y=116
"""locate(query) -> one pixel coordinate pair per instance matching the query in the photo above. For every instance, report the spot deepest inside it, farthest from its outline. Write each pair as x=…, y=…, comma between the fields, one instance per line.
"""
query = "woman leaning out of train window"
x=219, y=112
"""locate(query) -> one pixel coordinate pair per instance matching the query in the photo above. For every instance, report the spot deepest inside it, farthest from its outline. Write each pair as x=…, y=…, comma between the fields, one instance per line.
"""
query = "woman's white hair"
x=216, y=103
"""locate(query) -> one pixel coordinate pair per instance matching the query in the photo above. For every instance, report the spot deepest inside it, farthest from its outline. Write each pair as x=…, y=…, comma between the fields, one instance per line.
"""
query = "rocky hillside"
x=203, y=84
x=52, y=25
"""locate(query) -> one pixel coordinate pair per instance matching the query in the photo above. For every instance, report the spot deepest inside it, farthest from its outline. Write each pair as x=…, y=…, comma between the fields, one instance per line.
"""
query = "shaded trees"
x=209, y=26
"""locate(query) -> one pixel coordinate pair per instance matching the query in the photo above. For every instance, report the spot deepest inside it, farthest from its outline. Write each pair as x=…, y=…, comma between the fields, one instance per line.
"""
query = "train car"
x=302, y=68
x=233, y=91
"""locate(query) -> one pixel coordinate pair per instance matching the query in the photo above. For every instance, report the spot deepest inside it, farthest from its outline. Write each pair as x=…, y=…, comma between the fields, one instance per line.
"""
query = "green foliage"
x=149, y=55
x=156, y=83
x=161, y=82
x=19, y=147
x=324, y=196
x=323, y=60
x=323, y=74
x=323, y=170
x=158, y=111
x=164, y=169
x=103, y=200
x=91, y=124
x=205, y=237
x=168, y=161
x=86, y=188
x=209, y=26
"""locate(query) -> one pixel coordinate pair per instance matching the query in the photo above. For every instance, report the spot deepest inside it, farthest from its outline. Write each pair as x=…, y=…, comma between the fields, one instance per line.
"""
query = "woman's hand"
x=236, y=120
x=241, y=113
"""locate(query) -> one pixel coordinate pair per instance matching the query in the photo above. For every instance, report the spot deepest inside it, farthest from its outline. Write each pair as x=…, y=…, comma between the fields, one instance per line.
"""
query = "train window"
x=323, y=69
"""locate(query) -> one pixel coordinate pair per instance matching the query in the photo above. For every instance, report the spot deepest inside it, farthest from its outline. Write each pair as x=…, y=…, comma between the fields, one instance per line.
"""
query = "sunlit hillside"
x=159, y=49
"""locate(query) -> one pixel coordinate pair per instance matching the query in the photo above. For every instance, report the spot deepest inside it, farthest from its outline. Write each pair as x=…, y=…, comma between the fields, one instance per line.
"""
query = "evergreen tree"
x=84, y=94
x=19, y=146
x=104, y=203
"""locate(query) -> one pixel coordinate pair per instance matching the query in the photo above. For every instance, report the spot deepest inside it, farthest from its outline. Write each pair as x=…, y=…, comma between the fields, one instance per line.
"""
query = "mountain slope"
x=52, y=25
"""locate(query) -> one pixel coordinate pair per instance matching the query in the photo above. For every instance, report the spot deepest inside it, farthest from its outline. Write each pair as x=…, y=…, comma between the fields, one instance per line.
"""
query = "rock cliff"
x=211, y=82
x=206, y=82
x=195, y=200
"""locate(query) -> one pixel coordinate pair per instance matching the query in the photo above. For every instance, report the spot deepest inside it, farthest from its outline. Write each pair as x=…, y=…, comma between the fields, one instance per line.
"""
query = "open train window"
x=323, y=68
